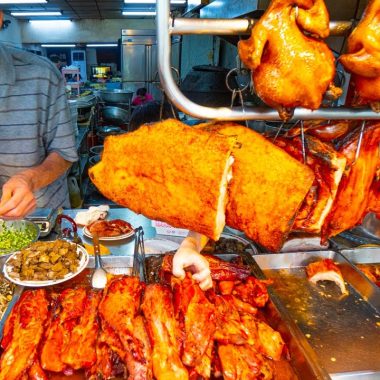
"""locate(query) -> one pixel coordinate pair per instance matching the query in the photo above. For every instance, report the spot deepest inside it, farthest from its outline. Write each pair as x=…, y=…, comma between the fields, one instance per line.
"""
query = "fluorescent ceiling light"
x=139, y=13
x=36, y=13
x=50, y=23
x=100, y=45
x=174, y=2
x=23, y=1
x=58, y=45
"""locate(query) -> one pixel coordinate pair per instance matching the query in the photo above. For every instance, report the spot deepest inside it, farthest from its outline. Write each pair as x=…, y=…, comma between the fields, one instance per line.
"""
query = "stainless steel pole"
x=234, y=26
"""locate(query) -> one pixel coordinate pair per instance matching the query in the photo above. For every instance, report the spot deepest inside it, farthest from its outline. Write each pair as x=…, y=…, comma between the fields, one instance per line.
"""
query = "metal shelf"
x=167, y=26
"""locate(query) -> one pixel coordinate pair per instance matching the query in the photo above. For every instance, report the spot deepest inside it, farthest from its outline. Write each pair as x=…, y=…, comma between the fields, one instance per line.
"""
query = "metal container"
x=19, y=225
x=116, y=96
x=115, y=115
x=103, y=132
x=303, y=359
x=343, y=331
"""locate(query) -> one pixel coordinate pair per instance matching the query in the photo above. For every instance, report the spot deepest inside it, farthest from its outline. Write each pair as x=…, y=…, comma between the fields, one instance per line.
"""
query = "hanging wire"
x=279, y=131
x=360, y=141
x=237, y=92
x=303, y=140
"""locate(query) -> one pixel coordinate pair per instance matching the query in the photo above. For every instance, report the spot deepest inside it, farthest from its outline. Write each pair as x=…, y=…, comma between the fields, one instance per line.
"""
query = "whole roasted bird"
x=289, y=68
x=363, y=57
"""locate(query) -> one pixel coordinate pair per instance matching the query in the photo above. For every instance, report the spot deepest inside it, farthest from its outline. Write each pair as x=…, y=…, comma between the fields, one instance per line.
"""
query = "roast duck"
x=130, y=330
x=291, y=64
x=363, y=57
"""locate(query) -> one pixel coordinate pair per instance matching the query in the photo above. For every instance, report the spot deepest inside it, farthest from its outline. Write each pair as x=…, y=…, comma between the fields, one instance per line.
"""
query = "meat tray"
x=343, y=331
x=113, y=264
x=303, y=359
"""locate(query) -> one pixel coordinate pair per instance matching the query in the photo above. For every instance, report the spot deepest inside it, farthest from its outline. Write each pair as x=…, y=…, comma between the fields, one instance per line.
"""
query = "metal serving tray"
x=113, y=264
x=343, y=331
x=303, y=359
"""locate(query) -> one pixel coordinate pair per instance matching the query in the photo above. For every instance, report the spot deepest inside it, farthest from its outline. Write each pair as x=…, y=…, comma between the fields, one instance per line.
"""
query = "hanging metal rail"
x=166, y=26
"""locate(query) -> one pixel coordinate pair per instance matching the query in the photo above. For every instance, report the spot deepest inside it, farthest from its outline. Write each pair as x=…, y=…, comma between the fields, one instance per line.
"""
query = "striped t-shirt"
x=34, y=120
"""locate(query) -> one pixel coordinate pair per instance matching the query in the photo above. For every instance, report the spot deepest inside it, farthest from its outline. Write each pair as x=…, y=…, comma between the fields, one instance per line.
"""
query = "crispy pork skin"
x=363, y=57
x=326, y=270
x=171, y=172
x=328, y=166
x=351, y=202
x=163, y=330
x=267, y=188
x=22, y=335
x=286, y=55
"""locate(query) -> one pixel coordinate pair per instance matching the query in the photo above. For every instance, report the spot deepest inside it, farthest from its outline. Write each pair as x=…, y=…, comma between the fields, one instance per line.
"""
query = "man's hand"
x=17, y=199
x=187, y=258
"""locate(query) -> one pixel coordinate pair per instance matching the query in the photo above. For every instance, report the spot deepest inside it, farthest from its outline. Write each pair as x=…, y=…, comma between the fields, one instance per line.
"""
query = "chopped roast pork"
x=326, y=270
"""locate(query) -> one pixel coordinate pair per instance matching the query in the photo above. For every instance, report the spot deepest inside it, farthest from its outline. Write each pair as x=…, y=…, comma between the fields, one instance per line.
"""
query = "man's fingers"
x=178, y=268
x=206, y=284
x=18, y=208
x=202, y=275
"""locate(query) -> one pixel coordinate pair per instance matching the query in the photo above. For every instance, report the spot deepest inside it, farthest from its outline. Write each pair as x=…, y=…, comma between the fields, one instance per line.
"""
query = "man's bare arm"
x=18, y=199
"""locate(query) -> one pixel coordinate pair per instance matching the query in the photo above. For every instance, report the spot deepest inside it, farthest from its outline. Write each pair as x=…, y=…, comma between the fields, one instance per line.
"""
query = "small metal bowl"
x=15, y=226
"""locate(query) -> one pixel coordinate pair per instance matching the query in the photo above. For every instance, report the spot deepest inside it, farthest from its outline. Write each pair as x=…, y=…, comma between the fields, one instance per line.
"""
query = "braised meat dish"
x=109, y=228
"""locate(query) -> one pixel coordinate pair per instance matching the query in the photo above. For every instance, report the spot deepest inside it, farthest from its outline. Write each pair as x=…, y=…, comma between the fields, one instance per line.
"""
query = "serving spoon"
x=99, y=277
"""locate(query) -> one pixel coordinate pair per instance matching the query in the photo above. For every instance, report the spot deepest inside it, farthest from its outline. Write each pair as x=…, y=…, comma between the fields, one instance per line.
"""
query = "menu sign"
x=166, y=229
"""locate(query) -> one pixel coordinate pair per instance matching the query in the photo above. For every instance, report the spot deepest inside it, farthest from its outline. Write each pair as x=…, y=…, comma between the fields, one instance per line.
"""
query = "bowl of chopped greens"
x=16, y=235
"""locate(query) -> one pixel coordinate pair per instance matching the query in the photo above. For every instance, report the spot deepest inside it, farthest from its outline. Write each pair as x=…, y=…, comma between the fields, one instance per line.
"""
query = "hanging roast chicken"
x=289, y=68
x=363, y=57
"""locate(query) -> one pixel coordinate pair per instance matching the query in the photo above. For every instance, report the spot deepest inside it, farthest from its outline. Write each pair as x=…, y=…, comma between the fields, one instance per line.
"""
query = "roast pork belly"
x=363, y=57
x=291, y=65
x=171, y=172
x=267, y=188
x=351, y=202
x=328, y=166
x=326, y=270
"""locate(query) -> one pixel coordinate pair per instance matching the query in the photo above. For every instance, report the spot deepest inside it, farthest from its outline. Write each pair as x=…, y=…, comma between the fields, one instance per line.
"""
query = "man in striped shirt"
x=37, y=142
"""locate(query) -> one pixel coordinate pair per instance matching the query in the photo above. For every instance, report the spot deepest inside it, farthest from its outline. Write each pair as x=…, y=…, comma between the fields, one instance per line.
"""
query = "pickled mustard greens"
x=14, y=239
x=49, y=260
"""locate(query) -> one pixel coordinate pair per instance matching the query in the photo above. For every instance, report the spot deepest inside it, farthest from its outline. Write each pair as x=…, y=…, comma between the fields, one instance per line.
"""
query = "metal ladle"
x=99, y=277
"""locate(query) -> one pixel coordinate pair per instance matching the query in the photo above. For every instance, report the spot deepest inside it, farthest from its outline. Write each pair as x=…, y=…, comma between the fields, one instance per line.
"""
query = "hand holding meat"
x=188, y=257
x=18, y=199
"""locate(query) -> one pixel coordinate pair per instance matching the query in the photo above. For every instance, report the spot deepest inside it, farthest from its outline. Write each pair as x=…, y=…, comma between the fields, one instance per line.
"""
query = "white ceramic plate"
x=88, y=234
x=157, y=246
x=82, y=265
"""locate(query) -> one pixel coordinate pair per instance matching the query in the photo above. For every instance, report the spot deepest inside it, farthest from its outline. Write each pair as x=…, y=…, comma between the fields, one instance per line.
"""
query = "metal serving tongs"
x=139, y=269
